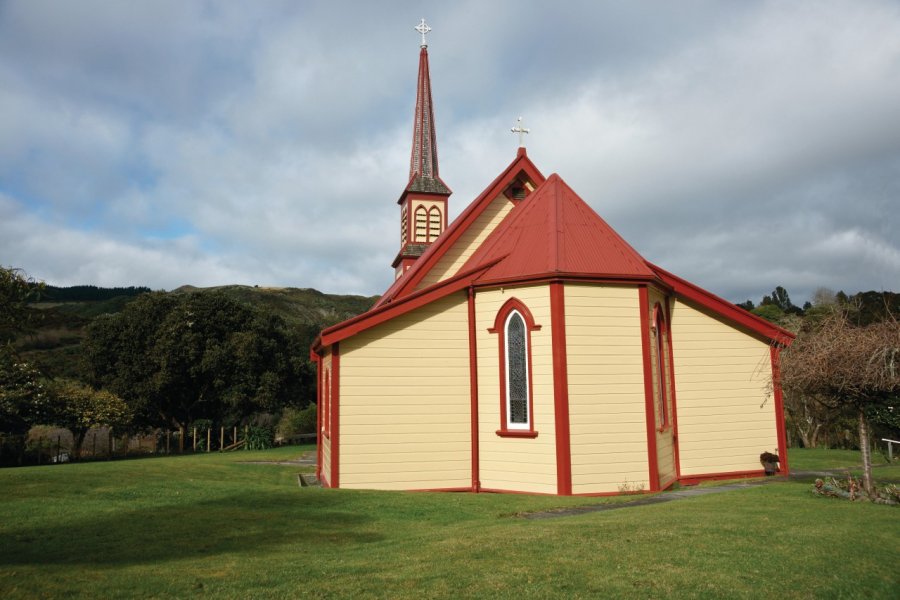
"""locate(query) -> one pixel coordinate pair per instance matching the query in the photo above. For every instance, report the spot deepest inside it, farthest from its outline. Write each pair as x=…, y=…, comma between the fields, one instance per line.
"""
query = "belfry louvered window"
x=421, y=224
x=516, y=371
x=434, y=223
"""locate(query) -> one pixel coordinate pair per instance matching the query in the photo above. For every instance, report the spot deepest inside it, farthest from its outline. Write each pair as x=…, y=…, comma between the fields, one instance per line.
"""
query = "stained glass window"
x=516, y=369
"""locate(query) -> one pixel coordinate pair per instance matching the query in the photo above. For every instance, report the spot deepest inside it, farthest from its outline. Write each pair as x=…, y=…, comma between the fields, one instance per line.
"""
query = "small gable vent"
x=518, y=190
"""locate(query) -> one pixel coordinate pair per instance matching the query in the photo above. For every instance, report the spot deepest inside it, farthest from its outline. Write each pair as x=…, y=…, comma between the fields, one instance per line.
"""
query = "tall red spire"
x=423, y=161
x=423, y=204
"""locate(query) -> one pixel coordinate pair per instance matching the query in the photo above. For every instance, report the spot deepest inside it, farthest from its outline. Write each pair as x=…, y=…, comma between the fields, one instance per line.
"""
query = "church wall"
x=726, y=416
x=506, y=463
x=405, y=401
x=607, y=420
x=468, y=241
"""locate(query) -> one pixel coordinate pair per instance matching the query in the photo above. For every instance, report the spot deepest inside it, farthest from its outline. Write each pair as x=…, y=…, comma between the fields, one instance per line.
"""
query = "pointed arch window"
x=513, y=326
x=660, y=344
x=421, y=224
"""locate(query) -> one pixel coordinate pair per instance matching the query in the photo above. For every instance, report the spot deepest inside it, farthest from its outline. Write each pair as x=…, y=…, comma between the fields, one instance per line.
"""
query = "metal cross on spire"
x=423, y=28
x=521, y=131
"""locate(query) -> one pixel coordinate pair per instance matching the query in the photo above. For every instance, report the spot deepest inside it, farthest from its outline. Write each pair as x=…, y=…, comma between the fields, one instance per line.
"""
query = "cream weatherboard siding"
x=606, y=388
x=520, y=464
x=405, y=403
x=468, y=241
x=726, y=413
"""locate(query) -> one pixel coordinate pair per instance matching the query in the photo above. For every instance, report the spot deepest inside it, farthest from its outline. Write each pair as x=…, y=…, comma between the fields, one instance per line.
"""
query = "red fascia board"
x=559, y=276
x=384, y=313
x=437, y=250
x=724, y=308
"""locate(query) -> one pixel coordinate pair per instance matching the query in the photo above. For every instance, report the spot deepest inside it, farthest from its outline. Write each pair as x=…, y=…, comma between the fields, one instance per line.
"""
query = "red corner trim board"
x=560, y=389
x=334, y=480
x=649, y=409
x=473, y=390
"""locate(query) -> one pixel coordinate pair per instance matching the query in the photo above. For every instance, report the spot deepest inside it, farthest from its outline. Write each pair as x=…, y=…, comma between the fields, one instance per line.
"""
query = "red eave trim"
x=724, y=308
x=551, y=276
x=384, y=313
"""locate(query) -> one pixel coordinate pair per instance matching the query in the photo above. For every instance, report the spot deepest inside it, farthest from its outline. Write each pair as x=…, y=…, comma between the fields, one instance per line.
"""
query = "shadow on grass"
x=233, y=524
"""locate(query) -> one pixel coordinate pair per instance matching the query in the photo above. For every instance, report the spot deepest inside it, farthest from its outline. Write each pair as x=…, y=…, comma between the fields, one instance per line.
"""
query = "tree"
x=16, y=290
x=24, y=401
x=178, y=357
x=846, y=367
x=79, y=408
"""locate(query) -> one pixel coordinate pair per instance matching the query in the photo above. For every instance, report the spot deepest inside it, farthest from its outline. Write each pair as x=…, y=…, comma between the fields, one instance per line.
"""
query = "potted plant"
x=769, y=462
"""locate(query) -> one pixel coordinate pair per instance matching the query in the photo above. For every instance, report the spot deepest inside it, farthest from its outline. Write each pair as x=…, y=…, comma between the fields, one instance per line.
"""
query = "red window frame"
x=514, y=304
x=660, y=343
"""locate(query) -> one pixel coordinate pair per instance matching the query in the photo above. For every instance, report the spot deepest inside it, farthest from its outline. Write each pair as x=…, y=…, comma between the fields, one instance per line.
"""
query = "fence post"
x=194, y=440
x=109, y=443
x=168, y=441
x=234, y=439
x=209, y=439
x=221, y=438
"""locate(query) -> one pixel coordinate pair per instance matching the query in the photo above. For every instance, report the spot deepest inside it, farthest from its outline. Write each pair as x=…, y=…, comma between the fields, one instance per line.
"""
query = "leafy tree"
x=24, y=401
x=16, y=290
x=846, y=368
x=746, y=305
x=79, y=408
x=178, y=357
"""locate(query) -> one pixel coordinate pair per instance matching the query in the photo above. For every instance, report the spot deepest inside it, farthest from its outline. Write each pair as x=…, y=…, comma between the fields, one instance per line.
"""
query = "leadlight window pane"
x=517, y=369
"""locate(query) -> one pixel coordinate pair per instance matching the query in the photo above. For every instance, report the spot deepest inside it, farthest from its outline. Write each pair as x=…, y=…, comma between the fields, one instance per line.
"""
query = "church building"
x=527, y=347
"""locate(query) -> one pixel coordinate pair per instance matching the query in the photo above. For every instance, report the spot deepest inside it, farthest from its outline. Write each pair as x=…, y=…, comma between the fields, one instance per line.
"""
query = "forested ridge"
x=139, y=360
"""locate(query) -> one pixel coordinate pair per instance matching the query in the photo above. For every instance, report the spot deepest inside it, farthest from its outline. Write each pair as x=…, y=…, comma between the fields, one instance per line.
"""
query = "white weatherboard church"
x=526, y=347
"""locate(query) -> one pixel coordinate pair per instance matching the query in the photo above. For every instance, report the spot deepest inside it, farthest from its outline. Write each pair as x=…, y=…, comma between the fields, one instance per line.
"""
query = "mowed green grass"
x=212, y=525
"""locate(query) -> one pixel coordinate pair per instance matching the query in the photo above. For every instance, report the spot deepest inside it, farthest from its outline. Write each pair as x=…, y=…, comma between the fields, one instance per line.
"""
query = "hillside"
x=55, y=346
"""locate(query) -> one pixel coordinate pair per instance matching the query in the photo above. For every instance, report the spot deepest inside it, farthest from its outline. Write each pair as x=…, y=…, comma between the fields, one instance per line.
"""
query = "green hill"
x=55, y=345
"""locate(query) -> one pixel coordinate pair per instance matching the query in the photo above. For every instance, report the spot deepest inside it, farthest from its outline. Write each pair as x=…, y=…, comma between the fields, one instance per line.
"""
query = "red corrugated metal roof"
x=554, y=232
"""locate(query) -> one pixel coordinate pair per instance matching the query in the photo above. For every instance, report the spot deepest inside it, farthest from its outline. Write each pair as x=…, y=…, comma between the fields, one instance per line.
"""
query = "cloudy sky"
x=741, y=145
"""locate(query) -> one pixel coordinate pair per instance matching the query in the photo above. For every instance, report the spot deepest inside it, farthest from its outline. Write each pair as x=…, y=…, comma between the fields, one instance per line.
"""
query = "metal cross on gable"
x=423, y=28
x=521, y=131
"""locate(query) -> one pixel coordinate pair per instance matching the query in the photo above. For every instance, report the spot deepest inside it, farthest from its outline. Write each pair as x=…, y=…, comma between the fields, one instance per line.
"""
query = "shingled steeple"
x=423, y=204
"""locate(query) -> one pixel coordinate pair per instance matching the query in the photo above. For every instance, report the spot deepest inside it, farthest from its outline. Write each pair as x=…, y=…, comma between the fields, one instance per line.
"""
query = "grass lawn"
x=213, y=525
x=841, y=461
